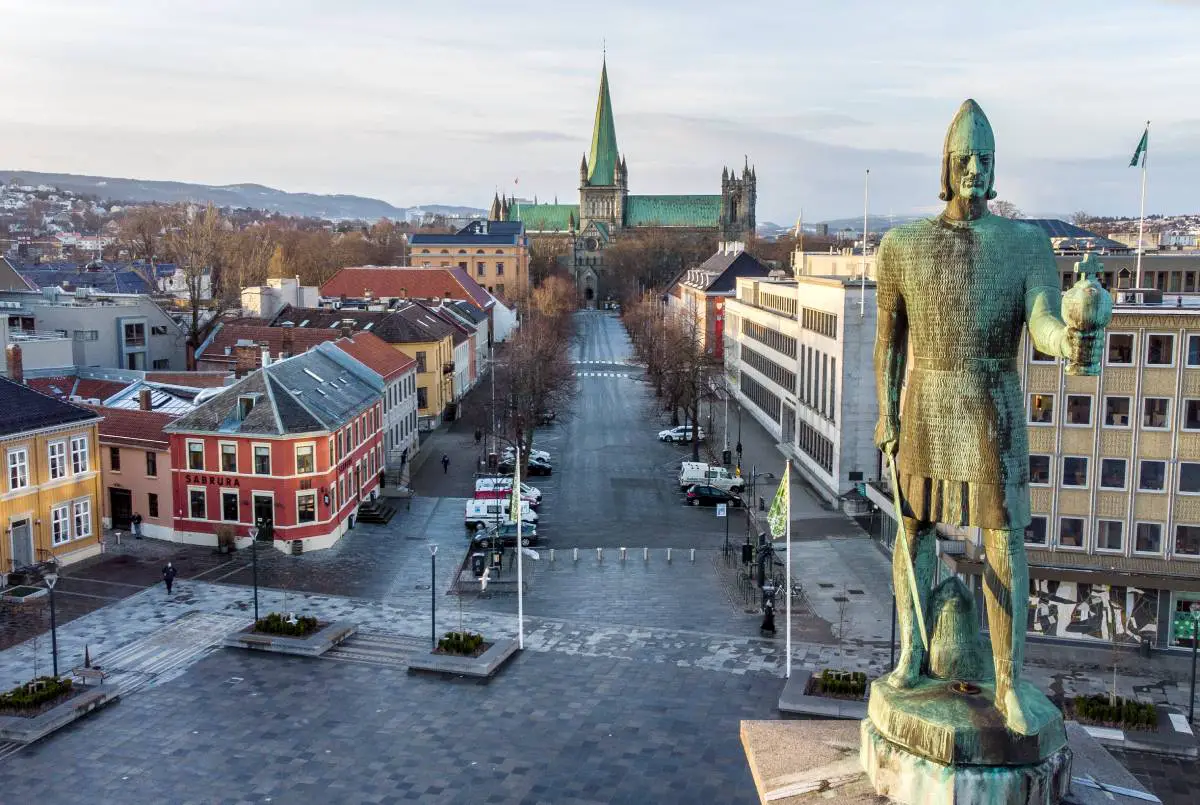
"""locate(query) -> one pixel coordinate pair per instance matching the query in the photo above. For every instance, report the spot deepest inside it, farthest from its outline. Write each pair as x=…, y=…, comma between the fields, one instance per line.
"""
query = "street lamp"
x=254, y=564
x=433, y=594
x=1195, y=641
x=52, y=579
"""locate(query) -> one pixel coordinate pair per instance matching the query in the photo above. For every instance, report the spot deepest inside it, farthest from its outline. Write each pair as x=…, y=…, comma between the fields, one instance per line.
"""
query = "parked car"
x=681, y=433
x=699, y=495
x=698, y=472
x=489, y=512
x=536, y=465
x=547, y=416
x=506, y=534
x=509, y=453
x=501, y=486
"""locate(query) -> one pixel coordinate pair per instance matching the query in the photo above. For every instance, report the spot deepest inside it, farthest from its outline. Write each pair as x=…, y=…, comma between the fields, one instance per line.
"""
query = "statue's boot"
x=1009, y=703
x=922, y=542
x=1006, y=591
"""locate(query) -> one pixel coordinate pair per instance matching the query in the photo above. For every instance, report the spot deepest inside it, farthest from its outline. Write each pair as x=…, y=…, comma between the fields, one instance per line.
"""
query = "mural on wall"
x=1098, y=612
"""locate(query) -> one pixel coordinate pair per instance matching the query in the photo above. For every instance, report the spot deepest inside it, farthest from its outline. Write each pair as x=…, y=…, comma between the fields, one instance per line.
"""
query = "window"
x=304, y=459
x=462, y=264
x=114, y=459
x=1193, y=350
x=1147, y=538
x=18, y=469
x=1152, y=476
x=479, y=269
x=1075, y=471
x=1160, y=349
x=82, y=510
x=195, y=455
x=161, y=363
x=1116, y=412
x=500, y=288
x=229, y=506
x=1070, y=532
x=197, y=503
x=1191, y=414
x=1035, y=532
x=1155, y=412
x=1079, y=409
x=228, y=457
x=1037, y=356
x=86, y=335
x=1187, y=540
x=1112, y=473
x=58, y=460
x=1039, y=470
x=79, y=454
x=1120, y=349
x=499, y=269
x=306, y=507
x=152, y=504
x=262, y=459
x=135, y=335
x=151, y=464
x=422, y=397
x=60, y=525
x=1110, y=535
x=420, y=356
x=1189, y=478
x=1041, y=409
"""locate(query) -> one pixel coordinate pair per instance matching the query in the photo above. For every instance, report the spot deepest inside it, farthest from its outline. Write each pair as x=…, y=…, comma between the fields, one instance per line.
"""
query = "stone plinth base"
x=904, y=777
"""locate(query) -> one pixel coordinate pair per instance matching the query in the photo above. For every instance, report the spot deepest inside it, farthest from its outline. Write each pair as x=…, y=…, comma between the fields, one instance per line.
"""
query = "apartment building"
x=494, y=253
x=704, y=290
x=798, y=356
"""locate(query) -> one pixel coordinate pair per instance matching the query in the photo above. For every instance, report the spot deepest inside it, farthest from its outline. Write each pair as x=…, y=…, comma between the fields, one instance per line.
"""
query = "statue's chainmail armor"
x=963, y=288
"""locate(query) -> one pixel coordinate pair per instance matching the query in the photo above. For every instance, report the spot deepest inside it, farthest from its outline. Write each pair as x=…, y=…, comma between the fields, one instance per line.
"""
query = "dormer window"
x=245, y=406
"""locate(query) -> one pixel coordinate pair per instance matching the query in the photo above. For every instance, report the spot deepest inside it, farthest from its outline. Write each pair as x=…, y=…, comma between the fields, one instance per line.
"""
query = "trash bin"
x=478, y=564
x=747, y=553
x=1145, y=648
x=726, y=457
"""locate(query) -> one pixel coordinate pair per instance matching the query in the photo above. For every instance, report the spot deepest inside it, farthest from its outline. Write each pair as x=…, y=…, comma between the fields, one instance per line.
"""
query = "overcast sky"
x=444, y=102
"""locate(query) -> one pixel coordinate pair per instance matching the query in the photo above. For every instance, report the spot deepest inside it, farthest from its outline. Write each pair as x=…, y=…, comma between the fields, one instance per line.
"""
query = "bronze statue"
x=958, y=290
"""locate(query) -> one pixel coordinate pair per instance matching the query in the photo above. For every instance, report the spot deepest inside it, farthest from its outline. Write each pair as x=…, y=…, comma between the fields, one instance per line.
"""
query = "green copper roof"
x=602, y=159
x=544, y=217
x=692, y=211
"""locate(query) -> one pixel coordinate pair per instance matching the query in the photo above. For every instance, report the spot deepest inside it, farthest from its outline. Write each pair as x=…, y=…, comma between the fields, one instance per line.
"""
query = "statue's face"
x=971, y=173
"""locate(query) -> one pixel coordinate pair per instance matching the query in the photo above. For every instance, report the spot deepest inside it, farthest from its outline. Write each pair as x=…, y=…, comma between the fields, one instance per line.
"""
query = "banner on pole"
x=778, y=516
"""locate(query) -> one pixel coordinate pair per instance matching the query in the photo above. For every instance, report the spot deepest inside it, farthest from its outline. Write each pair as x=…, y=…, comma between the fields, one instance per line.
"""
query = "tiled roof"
x=65, y=386
x=195, y=380
x=111, y=278
x=395, y=282
x=410, y=322
x=370, y=350
x=27, y=409
x=682, y=211
x=59, y=386
x=546, y=217
x=133, y=428
x=719, y=273
x=468, y=310
x=90, y=389
x=220, y=347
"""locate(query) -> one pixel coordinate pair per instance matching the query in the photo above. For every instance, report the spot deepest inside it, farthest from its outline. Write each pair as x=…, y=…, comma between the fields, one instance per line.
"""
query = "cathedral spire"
x=603, y=156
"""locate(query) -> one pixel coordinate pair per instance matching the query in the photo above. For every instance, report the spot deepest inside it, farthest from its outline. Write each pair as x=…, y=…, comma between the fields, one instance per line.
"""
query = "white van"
x=495, y=512
x=697, y=472
x=495, y=487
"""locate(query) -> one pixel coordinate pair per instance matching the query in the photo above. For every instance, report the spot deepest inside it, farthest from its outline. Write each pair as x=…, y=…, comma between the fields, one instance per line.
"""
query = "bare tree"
x=1081, y=218
x=1005, y=209
x=535, y=376
x=197, y=246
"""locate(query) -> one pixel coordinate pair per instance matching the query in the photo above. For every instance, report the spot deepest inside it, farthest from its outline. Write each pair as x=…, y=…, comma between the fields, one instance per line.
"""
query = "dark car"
x=547, y=416
x=507, y=534
x=537, y=466
x=698, y=495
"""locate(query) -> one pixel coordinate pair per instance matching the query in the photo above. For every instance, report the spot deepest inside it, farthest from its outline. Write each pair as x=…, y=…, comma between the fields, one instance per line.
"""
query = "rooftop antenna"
x=862, y=297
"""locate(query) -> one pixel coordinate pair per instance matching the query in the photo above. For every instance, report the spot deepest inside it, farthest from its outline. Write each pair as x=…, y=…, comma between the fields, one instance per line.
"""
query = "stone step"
x=378, y=648
x=8, y=748
x=167, y=652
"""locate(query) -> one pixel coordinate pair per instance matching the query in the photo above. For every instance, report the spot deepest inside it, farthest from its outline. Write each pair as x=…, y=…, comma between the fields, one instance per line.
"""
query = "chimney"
x=144, y=399
x=347, y=328
x=265, y=349
x=16, y=369
x=245, y=358
x=285, y=347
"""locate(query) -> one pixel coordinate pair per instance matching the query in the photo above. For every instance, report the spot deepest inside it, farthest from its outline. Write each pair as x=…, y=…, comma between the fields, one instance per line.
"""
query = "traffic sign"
x=721, y=509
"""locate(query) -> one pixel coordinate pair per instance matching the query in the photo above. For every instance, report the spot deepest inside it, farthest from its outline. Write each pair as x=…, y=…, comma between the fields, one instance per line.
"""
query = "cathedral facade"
x=606, y=209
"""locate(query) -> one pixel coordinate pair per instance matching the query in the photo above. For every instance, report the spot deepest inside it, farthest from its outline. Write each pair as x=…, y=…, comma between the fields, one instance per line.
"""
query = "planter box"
x=21, y=593
x=314, y=645
x=793, y=699
x=486, y=665
x=1172, y=737
x=27, y=730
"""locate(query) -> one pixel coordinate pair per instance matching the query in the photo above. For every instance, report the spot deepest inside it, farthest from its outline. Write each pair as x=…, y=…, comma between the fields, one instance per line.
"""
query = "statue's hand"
x=1083, y=348
x=887, y=435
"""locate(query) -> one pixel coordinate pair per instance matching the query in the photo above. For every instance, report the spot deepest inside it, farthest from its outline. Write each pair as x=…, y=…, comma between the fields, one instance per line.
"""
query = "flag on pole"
x=1140, y=154
x=777, y=518
x=514, y=509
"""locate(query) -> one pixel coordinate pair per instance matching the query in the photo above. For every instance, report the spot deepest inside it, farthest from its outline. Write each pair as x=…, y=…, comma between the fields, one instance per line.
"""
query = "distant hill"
x=877, y=223
x=255, y=196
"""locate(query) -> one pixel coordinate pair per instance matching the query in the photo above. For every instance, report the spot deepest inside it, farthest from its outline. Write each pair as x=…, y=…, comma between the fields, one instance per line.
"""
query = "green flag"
x=514, y=510
x=1143, y=144
x=777, y=518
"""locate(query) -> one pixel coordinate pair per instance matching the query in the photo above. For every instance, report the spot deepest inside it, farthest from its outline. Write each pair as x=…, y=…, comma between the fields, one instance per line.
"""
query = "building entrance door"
x=264, y=515
x=120, y=507
x=22, y=544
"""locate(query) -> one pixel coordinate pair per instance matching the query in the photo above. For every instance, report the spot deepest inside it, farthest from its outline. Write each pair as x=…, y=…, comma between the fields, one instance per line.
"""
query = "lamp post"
x=254, y=564
x=52, y=579
x=433, y=594
x=1195, y=641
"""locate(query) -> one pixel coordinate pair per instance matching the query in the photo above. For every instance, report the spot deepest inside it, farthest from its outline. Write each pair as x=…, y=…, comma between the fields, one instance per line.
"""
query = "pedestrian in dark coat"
x=137, y=525
x=168, y=574
x=445, y=463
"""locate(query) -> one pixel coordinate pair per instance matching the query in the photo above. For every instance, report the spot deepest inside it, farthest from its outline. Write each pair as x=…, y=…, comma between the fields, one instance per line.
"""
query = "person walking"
x=445, y=463
x=137, y=525
x=478, y=436
x=168, y=574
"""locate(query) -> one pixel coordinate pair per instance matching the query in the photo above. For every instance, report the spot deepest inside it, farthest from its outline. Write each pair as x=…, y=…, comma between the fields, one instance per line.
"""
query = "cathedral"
x=606, y=208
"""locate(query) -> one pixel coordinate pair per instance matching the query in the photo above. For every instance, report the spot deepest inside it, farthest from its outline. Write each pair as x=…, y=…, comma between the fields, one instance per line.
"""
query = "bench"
x=89, y=676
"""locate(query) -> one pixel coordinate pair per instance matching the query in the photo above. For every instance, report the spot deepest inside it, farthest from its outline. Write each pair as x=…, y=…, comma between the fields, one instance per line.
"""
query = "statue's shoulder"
x=900, y=239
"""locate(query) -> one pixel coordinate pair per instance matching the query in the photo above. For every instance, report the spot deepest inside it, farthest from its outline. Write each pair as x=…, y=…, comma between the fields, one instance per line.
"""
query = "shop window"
x=1120, y=349
x=1075, y=471
x=1116, y=412
x=306, y=507
x=1152, y=476
x=1160, y=349
x=1079, y=409
x=1041, y=409
x=1112, y=473
x=1147, y=538
x=1070, y=532
x=1035, y=532
x=197, y=504
x=1039, y=470
x=1187, y=540
x=1110, y=535
x=1156, y=413
x=229, y=506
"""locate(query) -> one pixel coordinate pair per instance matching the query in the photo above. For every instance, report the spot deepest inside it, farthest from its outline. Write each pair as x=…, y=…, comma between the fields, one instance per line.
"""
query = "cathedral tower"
x=604, y=179
x=738, y=199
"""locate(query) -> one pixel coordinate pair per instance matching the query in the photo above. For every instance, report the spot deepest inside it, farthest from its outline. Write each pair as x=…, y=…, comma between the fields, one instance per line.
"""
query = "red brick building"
x=294, y=446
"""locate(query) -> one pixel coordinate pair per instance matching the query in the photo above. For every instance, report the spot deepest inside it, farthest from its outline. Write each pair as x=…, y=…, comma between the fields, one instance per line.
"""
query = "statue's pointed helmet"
x=969, y=132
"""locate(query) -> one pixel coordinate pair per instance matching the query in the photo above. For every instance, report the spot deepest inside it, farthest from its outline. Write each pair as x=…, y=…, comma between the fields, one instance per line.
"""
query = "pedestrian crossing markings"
x=602, y=374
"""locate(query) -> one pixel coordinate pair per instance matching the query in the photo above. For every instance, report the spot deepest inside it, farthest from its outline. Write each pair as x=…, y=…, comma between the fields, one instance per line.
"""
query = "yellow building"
x=493, y=253
x=50, y=503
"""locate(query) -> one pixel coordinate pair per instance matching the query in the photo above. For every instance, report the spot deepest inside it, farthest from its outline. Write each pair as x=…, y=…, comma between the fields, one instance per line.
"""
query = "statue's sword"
x=902, y=546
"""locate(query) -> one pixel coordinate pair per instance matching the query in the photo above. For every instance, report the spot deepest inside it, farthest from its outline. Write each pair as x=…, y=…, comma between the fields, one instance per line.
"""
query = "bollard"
x=599, y=554
x=622, y=554
x=693, y=555
x=574, y=554
x=645, y=554
x=118, y=533
x=551, y=554
x=668, y=556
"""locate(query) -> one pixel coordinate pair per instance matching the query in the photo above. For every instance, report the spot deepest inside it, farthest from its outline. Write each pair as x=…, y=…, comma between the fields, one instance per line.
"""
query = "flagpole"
x=520, y=552
x=862, y=296
x=787, y=479
x=1142, y=210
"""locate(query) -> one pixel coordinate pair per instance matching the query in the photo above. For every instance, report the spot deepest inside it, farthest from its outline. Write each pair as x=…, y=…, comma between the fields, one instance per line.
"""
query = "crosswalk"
x=603, y=374
x=166, y=653
x=609, y=362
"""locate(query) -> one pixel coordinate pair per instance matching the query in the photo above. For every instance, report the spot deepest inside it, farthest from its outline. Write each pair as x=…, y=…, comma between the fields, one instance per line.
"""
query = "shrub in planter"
x=842, y=684
x=226, y=539
x=277, y=623
x=32, y=695
x=1101, y=709
x=464, y=644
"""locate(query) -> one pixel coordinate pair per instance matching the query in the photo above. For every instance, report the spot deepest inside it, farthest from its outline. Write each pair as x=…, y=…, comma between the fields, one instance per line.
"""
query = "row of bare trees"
x=671, y=343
